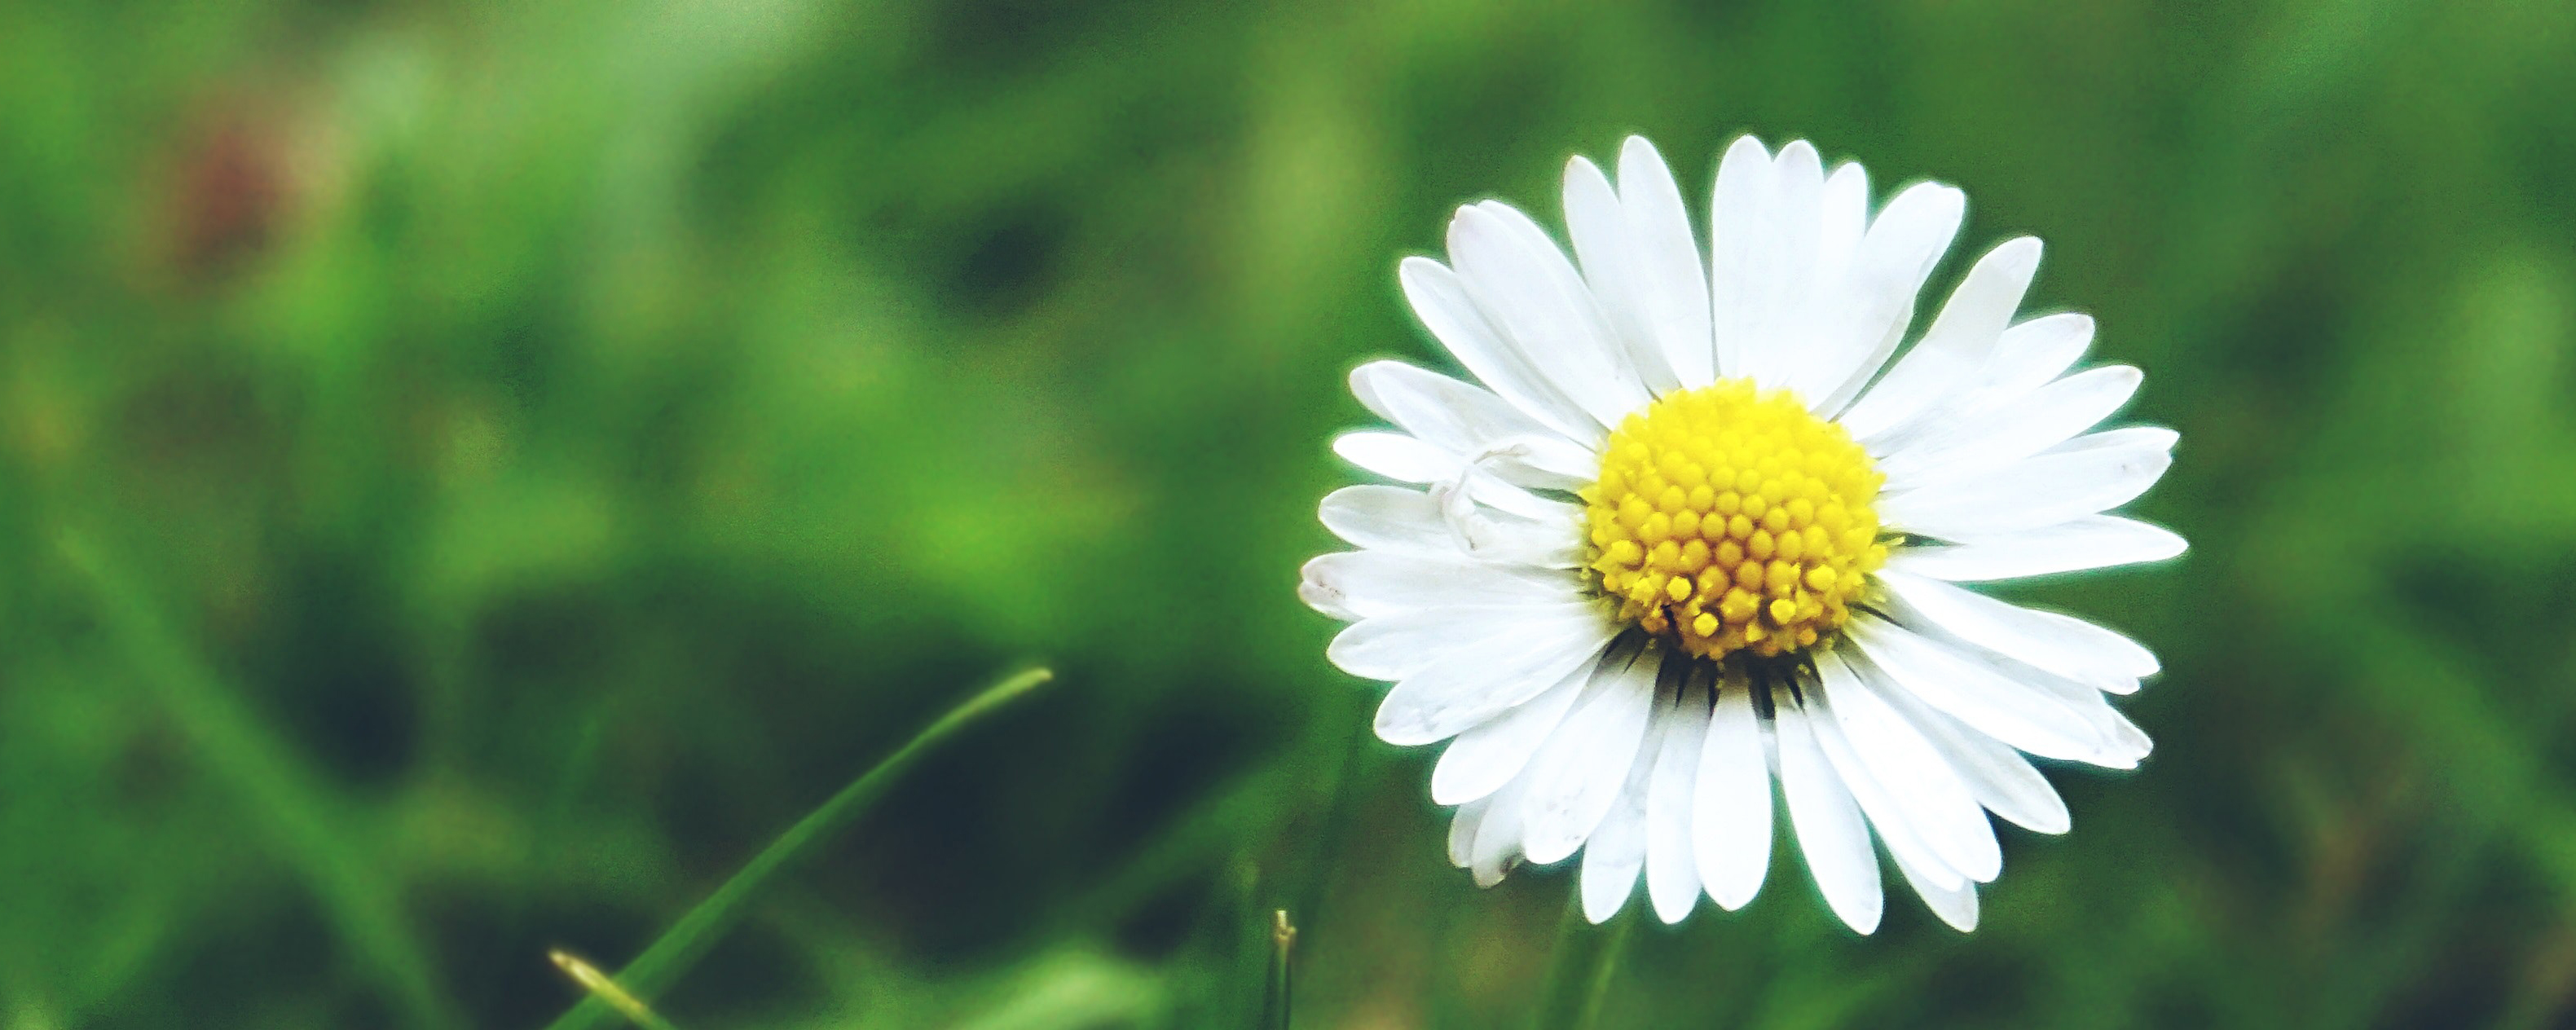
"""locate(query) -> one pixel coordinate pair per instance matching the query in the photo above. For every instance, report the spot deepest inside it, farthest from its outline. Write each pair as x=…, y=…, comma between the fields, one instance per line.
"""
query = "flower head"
x=1690, y=533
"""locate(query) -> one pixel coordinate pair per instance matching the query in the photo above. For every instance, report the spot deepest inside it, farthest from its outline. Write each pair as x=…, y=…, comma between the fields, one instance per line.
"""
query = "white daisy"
x=1687, y=541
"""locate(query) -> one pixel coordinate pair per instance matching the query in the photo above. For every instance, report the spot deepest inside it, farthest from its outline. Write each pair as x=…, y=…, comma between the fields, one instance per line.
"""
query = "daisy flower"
x=1690, y=534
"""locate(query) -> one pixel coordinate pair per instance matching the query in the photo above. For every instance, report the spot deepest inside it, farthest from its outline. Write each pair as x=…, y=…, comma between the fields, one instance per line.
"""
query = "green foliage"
x=473, y=475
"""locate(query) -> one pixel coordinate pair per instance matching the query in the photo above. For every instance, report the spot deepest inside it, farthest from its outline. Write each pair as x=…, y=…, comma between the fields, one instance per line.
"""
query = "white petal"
x=1498, y=835
x=2123, y=744
x=2127, y=734
x=1378, y=517
x=1449, y=698
x=1462, y=832
x=1738, y=211
x=1731, y=803
x=1387, y=518
x=1488, y=489
x=2134, y=661
x=1577, y=774
x=1469, y=421
x=1916, y=783
x=1440, y=299
x=1403, y=458
x=1787, y=281
x=1881, y=285
x=1448, y=413
x=1396, y=456
x=1956, y=906
x=2067, y=646
x=1394, y=646
x=2018, y=714
x=2031, y=493
x=1956, y=346
x=1481, y=760
x=2001, y=778
x=1517, y=540
x=1885, y=817
x=1618, y=848
x=2029, y=355
x=1606, y=247
x=2122, y=439
x=1845, y=211
x=1840, y=316
x=1828, y=823
x=1671, y=291
x=1672, y=872
x=2090, y=542
x=2042, y=419
x=1529, y=292
x=1492, y=521
x=1364, y=584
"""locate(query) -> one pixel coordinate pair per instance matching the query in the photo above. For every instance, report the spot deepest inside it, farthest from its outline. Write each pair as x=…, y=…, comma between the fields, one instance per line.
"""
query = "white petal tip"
x=1964, y=922
x=1548, y=850
x=2019, y=255
x=1364, y=378
x=1326, y=598
x=1674, y=913
x=1941, y=198
x=1452, y=792
x=1599, y=912
x=1734, y=897
x=1406, y=733
x=1400, y=725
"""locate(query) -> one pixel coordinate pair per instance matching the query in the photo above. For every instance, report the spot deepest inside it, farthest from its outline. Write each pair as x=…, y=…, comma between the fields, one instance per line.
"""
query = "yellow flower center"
x=1727, y=519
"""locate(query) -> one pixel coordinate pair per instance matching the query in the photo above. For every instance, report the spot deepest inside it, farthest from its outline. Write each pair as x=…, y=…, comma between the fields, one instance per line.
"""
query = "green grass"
x=688, y=940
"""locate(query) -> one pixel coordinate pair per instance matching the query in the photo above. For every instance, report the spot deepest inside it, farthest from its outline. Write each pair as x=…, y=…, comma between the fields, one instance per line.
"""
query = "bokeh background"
x=472, y=474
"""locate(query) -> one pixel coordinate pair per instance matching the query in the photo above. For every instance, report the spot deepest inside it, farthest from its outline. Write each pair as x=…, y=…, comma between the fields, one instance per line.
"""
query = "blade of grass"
x=1186, y=847
x=1586, y=961
x=688, y=940
x=605, y=988
x=1232, y=943
x=291, y=804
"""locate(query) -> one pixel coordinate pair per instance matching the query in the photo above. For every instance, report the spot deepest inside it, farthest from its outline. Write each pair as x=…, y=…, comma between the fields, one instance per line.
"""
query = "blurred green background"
x=471, y=475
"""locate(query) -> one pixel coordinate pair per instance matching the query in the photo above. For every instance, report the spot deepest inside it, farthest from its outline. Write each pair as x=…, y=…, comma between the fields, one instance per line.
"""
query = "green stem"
x=1283, y=940
x=1336, y=793
x=688, y=939
x=1586, y=962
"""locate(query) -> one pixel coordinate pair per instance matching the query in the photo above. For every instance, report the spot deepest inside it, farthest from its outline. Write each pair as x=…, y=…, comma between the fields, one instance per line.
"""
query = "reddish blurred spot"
x=231, y=188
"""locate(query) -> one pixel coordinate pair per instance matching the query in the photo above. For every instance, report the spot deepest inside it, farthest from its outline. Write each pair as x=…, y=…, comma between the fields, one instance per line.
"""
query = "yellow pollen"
x=1726, y=519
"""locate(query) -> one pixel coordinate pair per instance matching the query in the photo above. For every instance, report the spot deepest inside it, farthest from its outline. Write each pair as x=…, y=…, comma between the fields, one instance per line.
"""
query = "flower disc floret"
x=1727, y=519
